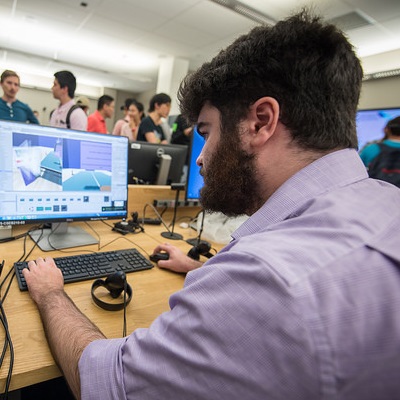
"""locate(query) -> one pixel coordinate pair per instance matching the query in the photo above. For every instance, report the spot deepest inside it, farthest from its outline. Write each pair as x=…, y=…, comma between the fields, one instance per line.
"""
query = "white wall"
x=379, y=93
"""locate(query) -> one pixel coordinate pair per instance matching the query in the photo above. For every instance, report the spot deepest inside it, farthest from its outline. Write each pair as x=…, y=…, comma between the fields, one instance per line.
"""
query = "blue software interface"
x=370, y=124
x=194, y=181
x=49, y=174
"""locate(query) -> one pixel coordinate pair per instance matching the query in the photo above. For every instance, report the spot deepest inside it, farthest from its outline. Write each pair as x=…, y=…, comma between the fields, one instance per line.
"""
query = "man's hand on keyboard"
x=43, y=277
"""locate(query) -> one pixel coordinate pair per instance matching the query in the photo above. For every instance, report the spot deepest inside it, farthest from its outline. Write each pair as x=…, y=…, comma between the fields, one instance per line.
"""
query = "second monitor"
x=146, y=162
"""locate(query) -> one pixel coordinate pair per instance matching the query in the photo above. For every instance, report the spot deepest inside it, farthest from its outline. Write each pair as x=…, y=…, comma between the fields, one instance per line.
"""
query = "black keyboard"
x=92, y=266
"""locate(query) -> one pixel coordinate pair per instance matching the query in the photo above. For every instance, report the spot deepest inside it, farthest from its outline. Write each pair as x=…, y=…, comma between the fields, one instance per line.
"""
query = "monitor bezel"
x=150, y=164
x=20, y=220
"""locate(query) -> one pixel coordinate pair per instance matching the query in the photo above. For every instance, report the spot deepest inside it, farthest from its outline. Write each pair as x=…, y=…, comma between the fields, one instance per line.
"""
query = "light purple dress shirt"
x=304, y=303
x=78, y=117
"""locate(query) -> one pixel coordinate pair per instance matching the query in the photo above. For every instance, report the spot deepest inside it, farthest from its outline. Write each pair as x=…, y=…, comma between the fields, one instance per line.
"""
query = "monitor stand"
x=5, y=232
x=61, y=236
x=163, y=169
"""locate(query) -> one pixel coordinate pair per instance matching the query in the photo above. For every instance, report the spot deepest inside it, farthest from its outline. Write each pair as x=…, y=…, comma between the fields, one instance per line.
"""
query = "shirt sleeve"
x=144, y=127
x=101, y=370
x=203, y=348
x=118, y=126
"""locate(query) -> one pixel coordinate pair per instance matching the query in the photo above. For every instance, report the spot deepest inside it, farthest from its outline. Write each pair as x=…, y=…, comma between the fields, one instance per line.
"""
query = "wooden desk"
x=151, y=290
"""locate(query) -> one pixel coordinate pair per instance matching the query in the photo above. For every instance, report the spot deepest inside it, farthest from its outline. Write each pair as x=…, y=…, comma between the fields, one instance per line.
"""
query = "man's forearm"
x=68, y=332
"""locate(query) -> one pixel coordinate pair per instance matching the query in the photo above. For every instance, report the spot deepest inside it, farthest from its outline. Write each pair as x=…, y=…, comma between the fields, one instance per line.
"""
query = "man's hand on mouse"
x=43, y=277
x=178, y=261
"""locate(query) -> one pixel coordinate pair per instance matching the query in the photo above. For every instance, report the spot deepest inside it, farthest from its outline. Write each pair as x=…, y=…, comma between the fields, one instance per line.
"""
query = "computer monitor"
x=54, y=176
x=194, y=181
x=370, y=124
x=149, y=164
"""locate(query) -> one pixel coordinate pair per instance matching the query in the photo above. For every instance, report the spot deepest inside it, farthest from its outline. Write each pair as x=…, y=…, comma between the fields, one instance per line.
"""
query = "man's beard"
x=230, y=184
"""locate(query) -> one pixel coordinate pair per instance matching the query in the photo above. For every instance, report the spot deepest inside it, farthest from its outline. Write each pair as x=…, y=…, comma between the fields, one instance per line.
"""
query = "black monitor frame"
x=144, y=160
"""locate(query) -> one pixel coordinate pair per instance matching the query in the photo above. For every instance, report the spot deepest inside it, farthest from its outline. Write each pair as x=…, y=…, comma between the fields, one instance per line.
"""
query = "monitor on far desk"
x=55, y=176
x=155, y=164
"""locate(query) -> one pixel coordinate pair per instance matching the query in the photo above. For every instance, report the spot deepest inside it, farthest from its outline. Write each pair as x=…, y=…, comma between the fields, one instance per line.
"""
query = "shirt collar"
x=99, y=116
x=333, y=170
x=67, y=105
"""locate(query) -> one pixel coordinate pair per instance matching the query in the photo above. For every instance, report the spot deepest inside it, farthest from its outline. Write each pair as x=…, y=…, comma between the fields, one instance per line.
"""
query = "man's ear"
x=264, y=119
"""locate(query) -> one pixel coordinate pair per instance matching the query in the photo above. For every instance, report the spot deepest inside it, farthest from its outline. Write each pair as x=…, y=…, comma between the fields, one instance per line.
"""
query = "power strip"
x=171, y=203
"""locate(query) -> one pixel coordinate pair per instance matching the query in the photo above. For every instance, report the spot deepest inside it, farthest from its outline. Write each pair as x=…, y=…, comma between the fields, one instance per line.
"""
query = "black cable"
x=105, y=223
x=201, y=227
x=130, y=241
x=196, y=241
x=5, y=346
x=11, y=348
x=9, y=239
x=125, y=289
x=96, y=233
x=52, y=231
x=7, y=342
x=3, y=318
x=158, y=215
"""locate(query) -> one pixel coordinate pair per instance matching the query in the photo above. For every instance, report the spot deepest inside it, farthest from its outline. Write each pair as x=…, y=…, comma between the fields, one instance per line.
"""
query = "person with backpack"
x=383, y=158
x=67, y=114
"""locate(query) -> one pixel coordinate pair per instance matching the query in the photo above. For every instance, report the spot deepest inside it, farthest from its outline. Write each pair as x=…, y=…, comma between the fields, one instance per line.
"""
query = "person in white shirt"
x=64, y=90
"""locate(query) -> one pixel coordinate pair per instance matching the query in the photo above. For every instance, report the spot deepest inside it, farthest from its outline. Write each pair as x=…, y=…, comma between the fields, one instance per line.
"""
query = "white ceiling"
x=120, y=43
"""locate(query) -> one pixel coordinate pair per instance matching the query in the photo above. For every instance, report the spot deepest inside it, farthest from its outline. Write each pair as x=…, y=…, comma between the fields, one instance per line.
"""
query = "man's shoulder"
x=21, y=104
x=392, y=144
x=92, y=117
x=146, y=123
x=94, y=121
x=77, y=117
x=3, y=103
x=373, y=146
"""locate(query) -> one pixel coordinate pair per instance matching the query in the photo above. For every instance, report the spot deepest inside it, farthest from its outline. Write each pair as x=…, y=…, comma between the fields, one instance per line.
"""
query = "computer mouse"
x=159, y=256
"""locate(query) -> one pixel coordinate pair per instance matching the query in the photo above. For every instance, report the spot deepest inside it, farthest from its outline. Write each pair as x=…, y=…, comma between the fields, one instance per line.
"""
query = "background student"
x=97, y=120
x=67, y=114
x=130, y=128
x=383, y=158
x=11, y=109
x=150, y=129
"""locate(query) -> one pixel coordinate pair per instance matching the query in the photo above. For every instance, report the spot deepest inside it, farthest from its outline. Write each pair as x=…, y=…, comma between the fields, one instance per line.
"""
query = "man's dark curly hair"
x=309, y=67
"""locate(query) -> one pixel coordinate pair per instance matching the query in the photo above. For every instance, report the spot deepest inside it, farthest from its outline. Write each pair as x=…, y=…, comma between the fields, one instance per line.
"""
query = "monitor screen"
x=194, y=181
x=60, y=175
x=146, y=159
x=370, y=124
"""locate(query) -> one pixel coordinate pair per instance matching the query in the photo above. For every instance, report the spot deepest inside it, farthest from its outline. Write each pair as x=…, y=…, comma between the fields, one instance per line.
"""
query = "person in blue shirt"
x=11, y=109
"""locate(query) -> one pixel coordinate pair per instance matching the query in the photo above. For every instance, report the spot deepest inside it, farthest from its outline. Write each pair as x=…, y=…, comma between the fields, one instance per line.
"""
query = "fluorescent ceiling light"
x=246, y=11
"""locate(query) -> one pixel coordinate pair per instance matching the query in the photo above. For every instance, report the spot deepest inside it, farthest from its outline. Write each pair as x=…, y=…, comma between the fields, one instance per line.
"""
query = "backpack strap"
x=70, y=111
